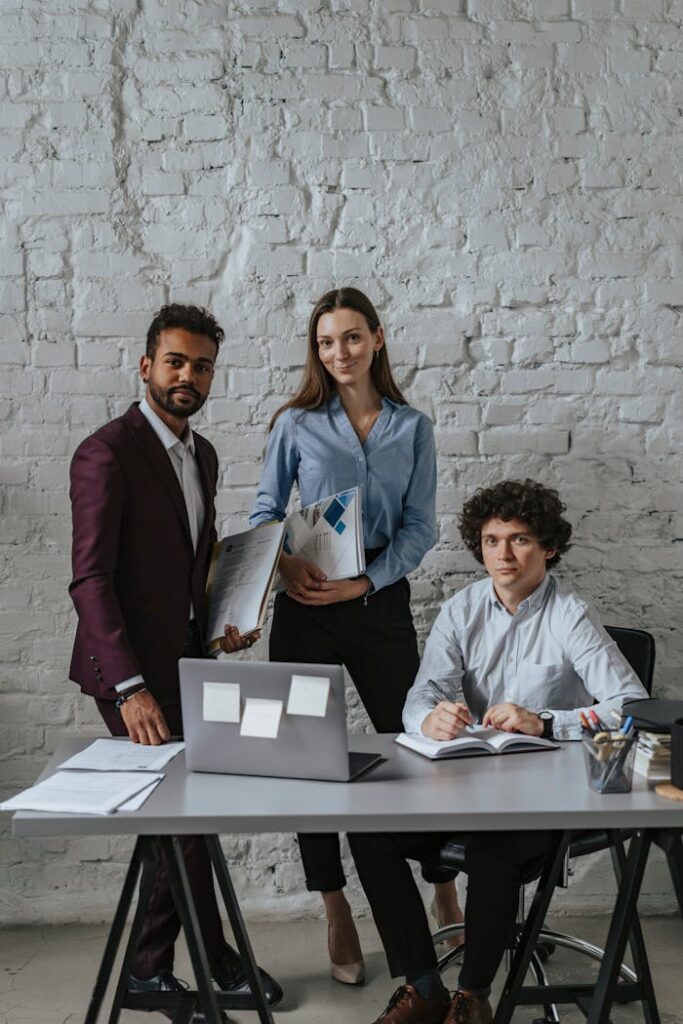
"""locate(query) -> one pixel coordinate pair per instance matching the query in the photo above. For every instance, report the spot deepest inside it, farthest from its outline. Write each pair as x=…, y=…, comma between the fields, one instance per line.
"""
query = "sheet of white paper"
x=136, y=802
x=123, y=756
x=221, y=702
x=261, y=718
x=308, y=695
x=80, y=793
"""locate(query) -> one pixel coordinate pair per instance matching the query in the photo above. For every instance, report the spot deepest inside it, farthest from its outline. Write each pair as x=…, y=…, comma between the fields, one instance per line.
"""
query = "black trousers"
x=496, y=863
x=161, y=923
x=377, y=644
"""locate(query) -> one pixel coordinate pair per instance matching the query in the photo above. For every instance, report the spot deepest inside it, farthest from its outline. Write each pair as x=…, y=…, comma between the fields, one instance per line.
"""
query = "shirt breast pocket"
x=544, y=684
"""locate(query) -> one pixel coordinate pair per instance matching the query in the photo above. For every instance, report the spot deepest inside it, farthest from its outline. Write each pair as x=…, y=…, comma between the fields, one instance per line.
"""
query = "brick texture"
x=504, y=179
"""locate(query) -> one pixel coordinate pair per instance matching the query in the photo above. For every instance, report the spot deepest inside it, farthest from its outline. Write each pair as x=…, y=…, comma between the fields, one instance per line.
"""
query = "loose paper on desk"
x=221, y=702
x=81, y=792
x=308, y=695
x=136, y=802
x=241, y=575
x=123, y=756
x=261, y=718
x=330, y=533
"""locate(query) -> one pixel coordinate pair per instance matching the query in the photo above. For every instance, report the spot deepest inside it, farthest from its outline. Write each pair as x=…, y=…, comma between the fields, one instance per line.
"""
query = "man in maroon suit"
x=142, y=494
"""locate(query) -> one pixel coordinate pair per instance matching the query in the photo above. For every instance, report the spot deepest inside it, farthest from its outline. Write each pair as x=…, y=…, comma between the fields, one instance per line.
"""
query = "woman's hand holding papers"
x=308, y=585
x=301, y=577
x=447, y=720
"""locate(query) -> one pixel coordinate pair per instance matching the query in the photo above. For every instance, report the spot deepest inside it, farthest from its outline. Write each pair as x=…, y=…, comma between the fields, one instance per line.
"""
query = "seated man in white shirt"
x=520, y=651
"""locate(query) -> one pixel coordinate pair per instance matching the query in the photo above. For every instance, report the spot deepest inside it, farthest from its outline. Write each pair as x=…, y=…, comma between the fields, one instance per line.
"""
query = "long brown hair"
x=317, y=386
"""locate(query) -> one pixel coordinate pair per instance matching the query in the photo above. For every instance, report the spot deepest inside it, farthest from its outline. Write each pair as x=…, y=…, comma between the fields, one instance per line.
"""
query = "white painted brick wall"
x=502, y=177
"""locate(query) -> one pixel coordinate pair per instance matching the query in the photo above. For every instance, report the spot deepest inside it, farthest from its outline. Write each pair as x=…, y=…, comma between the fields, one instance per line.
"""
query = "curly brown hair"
x=539, y=508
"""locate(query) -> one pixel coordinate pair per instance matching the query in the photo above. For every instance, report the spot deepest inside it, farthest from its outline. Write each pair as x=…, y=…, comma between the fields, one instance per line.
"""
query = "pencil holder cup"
x=610, y=764
x=677, y=753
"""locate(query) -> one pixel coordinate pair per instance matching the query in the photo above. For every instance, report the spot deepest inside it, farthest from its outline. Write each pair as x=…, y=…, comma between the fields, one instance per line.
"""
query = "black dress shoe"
x=231, y=977
x=165, y=981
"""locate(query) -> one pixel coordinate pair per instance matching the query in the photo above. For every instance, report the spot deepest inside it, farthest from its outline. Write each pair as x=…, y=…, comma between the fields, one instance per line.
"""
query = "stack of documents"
x=653, y=757
x=83, y=792
x=329, y=533
x=242, y=572
x=109, y=775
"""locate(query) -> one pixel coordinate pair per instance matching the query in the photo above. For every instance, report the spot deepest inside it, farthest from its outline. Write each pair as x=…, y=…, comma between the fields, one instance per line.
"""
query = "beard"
x=164, y=397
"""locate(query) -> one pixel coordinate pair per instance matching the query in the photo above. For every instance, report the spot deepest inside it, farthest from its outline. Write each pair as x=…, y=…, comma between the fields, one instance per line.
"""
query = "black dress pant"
x=496, y=864
x=161, y=924
x=376, y=642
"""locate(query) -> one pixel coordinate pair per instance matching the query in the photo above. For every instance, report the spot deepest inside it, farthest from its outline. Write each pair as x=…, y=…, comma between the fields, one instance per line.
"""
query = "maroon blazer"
x=134, y=569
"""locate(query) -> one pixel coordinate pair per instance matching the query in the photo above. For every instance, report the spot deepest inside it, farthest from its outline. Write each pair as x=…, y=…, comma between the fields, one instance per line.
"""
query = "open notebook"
x=474, y=742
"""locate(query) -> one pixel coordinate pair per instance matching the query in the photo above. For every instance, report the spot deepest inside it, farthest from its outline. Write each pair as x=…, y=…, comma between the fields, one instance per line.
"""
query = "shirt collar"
x=164, y=432
x=531, y=602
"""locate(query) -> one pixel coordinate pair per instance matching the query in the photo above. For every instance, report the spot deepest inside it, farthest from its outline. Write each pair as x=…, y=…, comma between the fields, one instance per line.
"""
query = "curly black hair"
x=192, y=318
x=539, y=508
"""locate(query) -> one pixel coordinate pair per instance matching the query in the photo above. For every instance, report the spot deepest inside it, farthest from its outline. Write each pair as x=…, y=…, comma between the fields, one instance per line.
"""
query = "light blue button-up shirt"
x=395, y=469
x=553, y=655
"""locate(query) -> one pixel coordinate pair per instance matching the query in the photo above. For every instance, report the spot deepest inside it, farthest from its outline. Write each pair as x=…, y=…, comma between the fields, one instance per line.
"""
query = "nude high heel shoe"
x=348, y=974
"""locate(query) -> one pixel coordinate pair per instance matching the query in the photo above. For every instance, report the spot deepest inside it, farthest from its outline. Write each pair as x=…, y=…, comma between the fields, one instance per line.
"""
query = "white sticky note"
x=261, y=718
x=308, y=695
x=221, y=702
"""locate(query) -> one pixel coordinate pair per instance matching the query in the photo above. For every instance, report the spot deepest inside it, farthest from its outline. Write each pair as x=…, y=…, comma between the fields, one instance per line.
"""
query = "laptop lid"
x=306, y=746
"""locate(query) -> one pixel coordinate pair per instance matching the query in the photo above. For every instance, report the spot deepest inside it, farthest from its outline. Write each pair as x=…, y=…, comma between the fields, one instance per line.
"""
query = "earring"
x=145, y=380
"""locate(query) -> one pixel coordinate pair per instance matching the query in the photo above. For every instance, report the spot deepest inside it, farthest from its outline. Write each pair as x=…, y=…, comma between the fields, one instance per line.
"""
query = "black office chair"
x=638, y=647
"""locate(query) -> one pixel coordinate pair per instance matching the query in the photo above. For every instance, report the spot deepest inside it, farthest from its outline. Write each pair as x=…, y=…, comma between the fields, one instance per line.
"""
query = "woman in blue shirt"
x=349, y=425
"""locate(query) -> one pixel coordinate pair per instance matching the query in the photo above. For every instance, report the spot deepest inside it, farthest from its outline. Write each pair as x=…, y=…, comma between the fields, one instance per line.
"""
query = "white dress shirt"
x=552, y=655
x=182, y=455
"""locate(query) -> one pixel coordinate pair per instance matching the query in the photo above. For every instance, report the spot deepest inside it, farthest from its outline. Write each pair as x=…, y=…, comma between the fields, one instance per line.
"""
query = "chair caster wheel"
x=544, y=951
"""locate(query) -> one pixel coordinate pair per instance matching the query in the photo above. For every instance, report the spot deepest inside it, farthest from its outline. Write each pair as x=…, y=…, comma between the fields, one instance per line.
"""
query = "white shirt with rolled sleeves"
x=553, y=655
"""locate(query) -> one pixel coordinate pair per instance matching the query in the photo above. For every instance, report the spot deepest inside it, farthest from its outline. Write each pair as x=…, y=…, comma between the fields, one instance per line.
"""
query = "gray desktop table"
x=545, y=790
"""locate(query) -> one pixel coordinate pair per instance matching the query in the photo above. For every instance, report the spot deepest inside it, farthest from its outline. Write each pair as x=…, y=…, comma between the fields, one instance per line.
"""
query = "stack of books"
x=653, y=757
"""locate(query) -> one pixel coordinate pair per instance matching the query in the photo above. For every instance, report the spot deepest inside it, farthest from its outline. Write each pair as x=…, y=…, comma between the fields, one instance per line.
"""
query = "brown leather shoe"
x=466, y=1009
x=407, y=1006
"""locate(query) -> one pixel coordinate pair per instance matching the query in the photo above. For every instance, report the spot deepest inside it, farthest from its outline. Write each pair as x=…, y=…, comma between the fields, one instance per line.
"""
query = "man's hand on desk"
x=144, y=719
x=234, y=641
x=513, y=718
x=446, y=721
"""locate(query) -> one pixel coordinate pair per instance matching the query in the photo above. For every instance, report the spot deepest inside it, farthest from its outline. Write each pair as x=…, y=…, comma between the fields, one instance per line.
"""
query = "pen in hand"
x=447, y=699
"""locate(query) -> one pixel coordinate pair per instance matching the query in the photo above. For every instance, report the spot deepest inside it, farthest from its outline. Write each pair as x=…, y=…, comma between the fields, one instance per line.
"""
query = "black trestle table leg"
x=184, y=902
x=619, y=929
x=238, y=928
x=114, y=938
x=527, y=942
x=641, y=963
x=149, y=859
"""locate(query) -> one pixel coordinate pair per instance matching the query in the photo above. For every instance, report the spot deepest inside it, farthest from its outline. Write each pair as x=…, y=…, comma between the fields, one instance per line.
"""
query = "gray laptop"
x=306, y=747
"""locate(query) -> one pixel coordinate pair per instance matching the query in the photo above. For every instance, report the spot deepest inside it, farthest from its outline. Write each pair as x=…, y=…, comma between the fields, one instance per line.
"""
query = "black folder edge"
x=653, y=715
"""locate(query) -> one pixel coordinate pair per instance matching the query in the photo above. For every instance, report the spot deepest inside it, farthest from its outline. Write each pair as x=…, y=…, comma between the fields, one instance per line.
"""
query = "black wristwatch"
x=127, y=694
x=548, y=718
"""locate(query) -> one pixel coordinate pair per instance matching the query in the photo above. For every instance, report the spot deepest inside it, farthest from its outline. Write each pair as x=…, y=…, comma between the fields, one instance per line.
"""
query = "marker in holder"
x=609, y=761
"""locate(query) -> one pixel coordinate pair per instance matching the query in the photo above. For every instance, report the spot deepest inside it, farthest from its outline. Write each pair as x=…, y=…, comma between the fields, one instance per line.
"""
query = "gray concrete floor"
x=47, y=973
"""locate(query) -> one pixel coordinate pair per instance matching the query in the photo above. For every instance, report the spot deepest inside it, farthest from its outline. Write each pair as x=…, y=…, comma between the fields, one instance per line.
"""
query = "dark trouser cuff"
x=477, y=991
x=434, y=874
